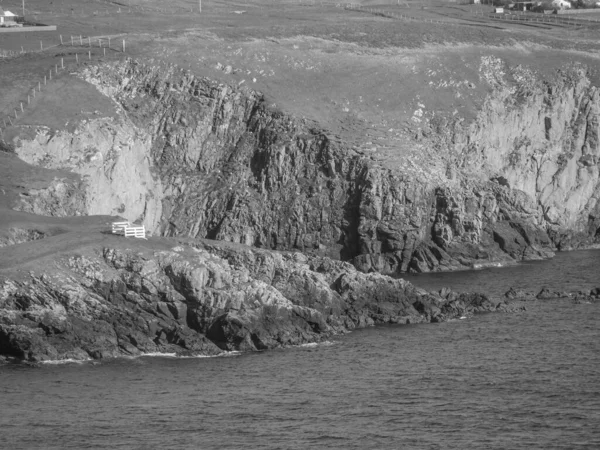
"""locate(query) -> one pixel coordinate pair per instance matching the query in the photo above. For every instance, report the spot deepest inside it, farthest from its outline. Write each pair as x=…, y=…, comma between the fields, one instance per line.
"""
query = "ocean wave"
x=314, y=344
x=175, y=355
x=66, y=361
x=158, y=354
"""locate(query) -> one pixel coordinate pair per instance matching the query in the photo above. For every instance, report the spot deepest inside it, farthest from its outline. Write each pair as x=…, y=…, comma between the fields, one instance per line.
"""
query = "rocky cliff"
x=539, y=138
x=201, y=298
x=192, y=157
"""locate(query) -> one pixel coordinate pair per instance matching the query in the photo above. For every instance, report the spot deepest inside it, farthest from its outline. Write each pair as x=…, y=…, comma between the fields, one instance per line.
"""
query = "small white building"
x=561, y=4
x=7, y=18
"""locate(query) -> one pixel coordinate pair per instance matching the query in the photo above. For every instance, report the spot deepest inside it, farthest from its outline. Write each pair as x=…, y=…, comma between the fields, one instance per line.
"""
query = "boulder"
x=546, y=294
x=519, y=294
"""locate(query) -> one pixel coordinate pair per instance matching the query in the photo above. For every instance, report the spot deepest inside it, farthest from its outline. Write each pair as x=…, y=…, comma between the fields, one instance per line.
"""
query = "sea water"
x=527, y=380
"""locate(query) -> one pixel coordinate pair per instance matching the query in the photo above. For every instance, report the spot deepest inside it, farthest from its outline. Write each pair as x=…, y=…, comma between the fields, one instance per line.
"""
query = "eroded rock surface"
x=204, y=300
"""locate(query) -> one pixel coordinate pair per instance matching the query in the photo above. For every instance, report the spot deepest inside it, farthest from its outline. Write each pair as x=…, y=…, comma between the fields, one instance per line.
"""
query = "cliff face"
x=216, y=162
x=541, y=138
x=202, y=300
x=115, y=167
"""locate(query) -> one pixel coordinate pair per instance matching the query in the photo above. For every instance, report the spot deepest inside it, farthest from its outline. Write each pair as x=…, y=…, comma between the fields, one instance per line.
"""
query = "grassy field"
x=358, y=71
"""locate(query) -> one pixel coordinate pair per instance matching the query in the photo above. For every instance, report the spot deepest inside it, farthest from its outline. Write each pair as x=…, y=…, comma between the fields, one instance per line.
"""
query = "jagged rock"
x=511, y=306
x=519, y=294
x=590, y=296
x=203, y=300
x=545, y=294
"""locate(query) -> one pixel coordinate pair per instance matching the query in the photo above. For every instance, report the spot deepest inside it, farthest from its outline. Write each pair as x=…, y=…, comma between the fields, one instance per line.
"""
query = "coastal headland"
x=288, y=160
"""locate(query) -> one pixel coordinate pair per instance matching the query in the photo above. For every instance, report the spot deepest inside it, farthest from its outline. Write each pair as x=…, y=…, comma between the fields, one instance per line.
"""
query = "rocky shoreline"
x=210, y=297
x=204, y=298
x=272, y=232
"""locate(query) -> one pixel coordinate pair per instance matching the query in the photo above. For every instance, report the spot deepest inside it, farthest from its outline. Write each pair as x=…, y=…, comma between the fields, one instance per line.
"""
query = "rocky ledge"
x=202, y=298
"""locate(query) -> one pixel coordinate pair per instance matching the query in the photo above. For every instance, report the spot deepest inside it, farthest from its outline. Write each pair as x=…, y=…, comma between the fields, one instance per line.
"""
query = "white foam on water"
x=314, y=344
x=66, y=361
x=158, y=354
x=226, y=354
x=175, y=355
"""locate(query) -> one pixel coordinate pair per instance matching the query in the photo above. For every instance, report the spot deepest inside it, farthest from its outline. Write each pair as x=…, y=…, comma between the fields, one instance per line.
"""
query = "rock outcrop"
x=587, y=296
x=211, y=161
x=203, y=300
x=20, y=235
x=539, y=138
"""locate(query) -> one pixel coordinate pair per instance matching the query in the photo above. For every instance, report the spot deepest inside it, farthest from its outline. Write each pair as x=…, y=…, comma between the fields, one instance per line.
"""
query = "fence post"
x=22, y=110
x=40, y=85
x=77, y=58
x=41, y=45
x=62, y=63
x=56, y=68
x=108, y=42
x=89, y=41
x=80, y=40
x=45, y=80
x=123, y=45
x=90, y=54
x=61, y=39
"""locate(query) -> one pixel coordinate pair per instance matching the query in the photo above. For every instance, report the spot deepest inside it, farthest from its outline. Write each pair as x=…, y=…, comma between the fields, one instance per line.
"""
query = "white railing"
x=127, y=230
x=119, y=227
x=137, y=232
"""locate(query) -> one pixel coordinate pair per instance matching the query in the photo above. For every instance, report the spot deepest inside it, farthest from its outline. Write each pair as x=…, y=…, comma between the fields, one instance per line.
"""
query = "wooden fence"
x=136, y=232
x=17, y=110
x=119, y=227
x=127, y=230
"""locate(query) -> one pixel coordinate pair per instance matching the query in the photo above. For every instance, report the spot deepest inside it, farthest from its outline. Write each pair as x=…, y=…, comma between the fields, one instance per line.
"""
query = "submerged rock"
x=545, y=293
x=589, y=296
x=519, y=294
